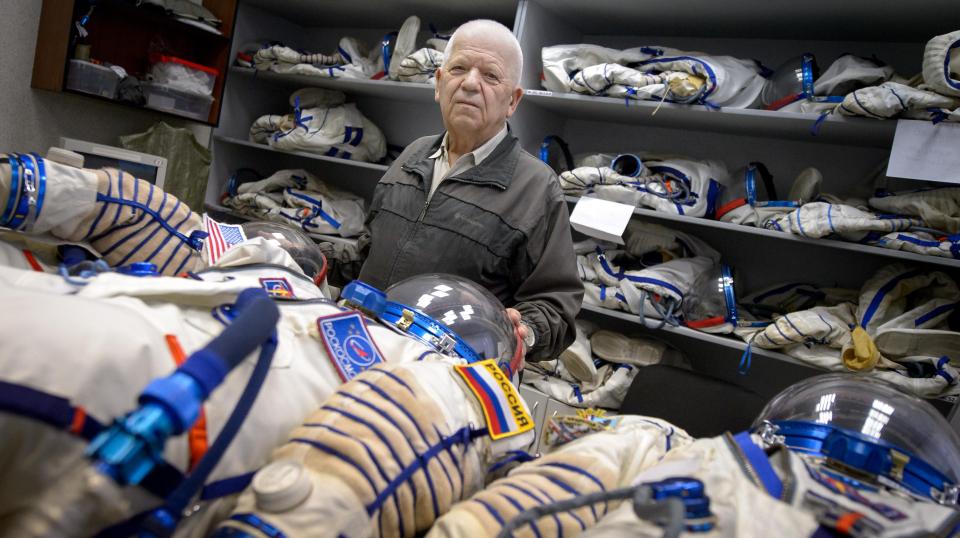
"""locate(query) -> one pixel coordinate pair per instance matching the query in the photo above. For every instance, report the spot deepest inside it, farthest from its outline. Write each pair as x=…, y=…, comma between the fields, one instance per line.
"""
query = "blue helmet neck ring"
x=863, y=455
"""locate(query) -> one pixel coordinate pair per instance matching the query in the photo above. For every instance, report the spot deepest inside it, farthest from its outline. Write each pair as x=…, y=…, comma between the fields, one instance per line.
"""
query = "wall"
x=33, y=120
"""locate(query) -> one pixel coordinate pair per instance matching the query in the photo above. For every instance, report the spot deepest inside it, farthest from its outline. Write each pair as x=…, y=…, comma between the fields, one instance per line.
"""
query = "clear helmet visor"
x=874, y=409
x=300, y=247
x=747, y=187
x=462, y=306
x=789, y=82
x=711, y=302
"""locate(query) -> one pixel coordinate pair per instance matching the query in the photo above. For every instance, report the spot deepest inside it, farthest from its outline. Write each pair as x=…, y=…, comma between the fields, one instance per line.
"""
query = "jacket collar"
x=496, y=170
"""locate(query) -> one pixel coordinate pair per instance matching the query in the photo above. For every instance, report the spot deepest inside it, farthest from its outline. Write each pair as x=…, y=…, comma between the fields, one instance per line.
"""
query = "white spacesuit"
x=300, y=199
x=658, y=73
x=122, y=218
x=115, y=333
x=833, y=454
x=897, y=330
x=671, y=184
x=322, y=122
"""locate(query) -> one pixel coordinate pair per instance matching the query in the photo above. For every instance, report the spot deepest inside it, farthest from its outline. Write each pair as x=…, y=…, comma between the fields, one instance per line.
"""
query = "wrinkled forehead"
x=482, y=47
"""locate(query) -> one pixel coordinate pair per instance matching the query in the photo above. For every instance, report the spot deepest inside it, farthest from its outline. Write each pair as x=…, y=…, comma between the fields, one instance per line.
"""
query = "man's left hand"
x=522, y=330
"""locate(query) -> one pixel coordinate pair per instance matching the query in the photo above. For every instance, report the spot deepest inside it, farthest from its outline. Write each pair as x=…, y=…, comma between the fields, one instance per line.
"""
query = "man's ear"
x=436, y=87
x=514, y=100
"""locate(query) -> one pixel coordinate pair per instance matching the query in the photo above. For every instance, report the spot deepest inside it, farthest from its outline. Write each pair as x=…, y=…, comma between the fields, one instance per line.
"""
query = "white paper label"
x=601, y=219
x=537, y=92
x=922, y=150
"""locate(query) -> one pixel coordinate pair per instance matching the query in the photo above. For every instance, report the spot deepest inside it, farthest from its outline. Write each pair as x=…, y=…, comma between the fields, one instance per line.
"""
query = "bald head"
x=491, y=35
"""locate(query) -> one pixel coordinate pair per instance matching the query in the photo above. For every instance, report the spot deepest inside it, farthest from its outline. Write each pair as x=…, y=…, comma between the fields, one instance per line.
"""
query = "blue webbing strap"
x=760, y=464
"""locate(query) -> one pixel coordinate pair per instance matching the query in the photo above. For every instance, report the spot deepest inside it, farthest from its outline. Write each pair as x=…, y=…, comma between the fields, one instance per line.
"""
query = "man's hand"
x=522, y=330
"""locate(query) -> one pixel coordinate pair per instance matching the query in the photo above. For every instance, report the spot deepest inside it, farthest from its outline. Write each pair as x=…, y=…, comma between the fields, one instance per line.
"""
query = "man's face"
x=474, y=89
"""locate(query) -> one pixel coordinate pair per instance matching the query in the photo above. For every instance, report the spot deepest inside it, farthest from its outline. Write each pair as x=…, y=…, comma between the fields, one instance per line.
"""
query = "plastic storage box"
x=169, y=99
x=88, y=77
x=182, y=75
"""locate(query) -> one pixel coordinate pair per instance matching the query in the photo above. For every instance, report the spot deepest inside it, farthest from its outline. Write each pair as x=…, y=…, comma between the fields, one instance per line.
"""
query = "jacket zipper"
x=406, y=239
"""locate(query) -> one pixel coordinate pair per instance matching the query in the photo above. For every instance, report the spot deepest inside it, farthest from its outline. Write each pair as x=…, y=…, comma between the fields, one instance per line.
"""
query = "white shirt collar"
x=479, y=154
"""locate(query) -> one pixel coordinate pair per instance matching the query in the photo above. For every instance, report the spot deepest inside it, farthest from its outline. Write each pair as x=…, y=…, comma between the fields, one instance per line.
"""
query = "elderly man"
x=473, y=203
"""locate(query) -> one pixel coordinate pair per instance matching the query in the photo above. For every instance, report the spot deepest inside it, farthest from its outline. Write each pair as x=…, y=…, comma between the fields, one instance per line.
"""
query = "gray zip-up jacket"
x=503, y=224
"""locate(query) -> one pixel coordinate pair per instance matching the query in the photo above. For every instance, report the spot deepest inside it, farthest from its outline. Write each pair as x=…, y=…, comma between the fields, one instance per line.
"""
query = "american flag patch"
x=503, y=409
x=220, y=238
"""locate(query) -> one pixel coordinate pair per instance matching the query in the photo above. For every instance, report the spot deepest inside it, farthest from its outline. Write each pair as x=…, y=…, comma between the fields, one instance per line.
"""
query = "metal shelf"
x=304, y=154
x=748, y=122
x=686, y=332
x=783, y=236
x=415, y=92
x=876, y=21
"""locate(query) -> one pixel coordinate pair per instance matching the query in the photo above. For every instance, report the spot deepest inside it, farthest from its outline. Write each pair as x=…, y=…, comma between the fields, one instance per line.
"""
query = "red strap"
x=784, y=101
x=197, y=436
x=32, y=261
x=730, y=206
x=709, y=322
x=846, y=522
x=79, y=418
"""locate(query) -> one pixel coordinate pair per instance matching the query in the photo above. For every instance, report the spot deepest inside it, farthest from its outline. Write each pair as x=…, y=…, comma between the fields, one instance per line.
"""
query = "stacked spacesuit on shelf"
x=934, y=95
x=322, y=122
x=649, y=275
x=923, y=221
x=395, y=58
x=667, y=183
x=300, y=199
x=897, y=329
x=596, y=371
x=653, y=72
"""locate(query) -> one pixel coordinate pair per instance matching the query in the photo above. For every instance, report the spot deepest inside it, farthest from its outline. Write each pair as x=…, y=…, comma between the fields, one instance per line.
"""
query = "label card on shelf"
x=922, y=150
x=601, y=219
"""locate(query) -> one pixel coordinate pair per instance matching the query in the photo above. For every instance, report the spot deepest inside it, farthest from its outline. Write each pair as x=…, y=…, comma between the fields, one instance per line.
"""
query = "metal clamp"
x=768, y=434
x=406, y=321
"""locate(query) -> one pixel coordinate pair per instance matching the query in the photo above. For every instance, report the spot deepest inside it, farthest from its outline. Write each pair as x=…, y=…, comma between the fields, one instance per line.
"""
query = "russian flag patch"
x=503, y=409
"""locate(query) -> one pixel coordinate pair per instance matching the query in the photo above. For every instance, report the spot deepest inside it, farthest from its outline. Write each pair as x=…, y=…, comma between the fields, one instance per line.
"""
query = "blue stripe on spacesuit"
x=463, y=436
x=10, y=210
x=787, y=317
x=103, y=210
x=413, y=449
x=342, y=457
x=572, y=491
x=869, y=113
x=409, y=416
x=383, y=438
x=456, y=463
x=109, y=231
x=493, y=511
x=946, y=66
x=173, y=256
x=883, y=291
x=394, y=377
x=577, y=470
x=162, y=223
x=785, y=337
x=167, y=240
x=934, y=313
x=116, y=217
x=519, y=507
x=155, y=215
x=830, y=218
x=777, y=291
x=713, y=194
x=41, y=183
x=537, y=500
x=571, y=513
x=376, y=462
